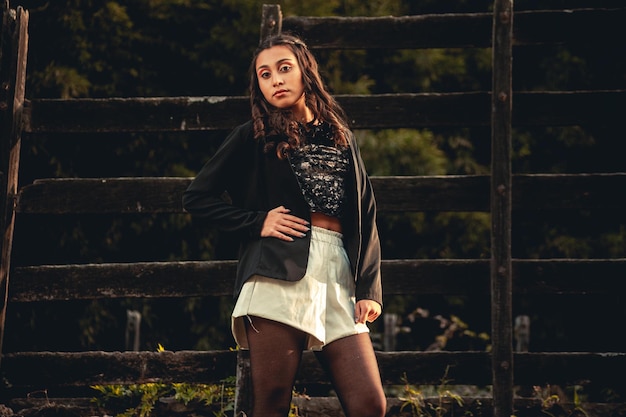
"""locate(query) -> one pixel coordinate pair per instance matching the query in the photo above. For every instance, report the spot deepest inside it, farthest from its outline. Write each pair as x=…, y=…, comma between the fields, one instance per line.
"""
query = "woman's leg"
x=353, y=369
x=275, y=354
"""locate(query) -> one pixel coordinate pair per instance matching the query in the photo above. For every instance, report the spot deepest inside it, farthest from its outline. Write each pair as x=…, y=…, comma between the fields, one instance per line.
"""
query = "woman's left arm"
x=368, y=284
x=367, y=310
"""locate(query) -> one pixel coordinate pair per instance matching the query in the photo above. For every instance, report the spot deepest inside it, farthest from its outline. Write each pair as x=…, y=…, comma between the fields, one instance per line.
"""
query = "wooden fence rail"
x=402, y=276
x=379, y=111
x=60, y=372
x=396, y=194
x=35, y=371
x=471, y=29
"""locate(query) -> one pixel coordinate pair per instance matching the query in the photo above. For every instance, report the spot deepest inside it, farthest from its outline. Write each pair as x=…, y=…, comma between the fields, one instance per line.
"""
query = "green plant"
x=551, y=401
x=294, y=410
x=139, y=400
x=414, y=398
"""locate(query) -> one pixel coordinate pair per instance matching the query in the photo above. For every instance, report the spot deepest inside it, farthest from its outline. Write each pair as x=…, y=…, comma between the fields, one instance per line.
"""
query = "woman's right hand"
x=282, y=225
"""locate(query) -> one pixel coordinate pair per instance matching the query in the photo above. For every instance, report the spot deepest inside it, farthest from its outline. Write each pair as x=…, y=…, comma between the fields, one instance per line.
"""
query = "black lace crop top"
x=321, y=168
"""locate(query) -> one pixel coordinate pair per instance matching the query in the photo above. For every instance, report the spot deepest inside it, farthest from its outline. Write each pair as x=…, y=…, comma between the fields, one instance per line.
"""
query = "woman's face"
x=280, y=79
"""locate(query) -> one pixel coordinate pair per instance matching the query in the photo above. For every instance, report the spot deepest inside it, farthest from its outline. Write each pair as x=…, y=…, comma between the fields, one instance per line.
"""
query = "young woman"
x=300, y=199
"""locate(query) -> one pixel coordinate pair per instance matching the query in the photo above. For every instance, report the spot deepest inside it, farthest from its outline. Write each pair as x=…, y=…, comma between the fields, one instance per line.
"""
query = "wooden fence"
x=500, y=193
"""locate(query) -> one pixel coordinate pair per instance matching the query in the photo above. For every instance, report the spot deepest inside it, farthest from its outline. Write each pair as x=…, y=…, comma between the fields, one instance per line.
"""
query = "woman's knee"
x=372, y=406
x=272, y=401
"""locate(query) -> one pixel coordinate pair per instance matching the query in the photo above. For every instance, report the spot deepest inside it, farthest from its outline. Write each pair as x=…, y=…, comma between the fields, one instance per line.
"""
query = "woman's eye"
x=265, y=74
x=285, y=68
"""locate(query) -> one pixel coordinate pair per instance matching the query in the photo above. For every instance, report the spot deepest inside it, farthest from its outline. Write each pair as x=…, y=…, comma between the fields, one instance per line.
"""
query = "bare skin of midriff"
x=326, y=222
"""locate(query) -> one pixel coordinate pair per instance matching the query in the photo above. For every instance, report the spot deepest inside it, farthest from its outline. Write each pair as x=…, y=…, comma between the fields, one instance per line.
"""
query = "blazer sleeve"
x=225, y=173
x=369, y=283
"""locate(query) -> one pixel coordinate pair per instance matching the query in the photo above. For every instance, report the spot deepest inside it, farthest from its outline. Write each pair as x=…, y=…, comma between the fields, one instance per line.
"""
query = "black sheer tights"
x=275, y=353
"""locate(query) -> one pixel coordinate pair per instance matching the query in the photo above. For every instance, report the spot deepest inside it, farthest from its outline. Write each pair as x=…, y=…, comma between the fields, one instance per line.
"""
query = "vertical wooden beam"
x=14, y=47
x=271, y=21
x=243, y=389
x=501, y=275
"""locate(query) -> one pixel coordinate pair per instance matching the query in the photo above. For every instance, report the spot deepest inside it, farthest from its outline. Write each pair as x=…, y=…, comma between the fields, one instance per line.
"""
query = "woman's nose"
x=277, y=80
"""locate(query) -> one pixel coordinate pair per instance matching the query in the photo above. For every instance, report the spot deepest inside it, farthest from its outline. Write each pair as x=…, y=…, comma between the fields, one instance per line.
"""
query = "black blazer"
x=238, y=186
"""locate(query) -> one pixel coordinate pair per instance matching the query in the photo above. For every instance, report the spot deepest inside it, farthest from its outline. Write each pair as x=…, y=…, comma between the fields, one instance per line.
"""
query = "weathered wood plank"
x=474, y=368
x=135, y=114
x=215, y=278
x=330, y=406
x=470, y=29
x=13, y=54
x=123, y=195
x=393, y=194
x=223, y=113
x=469, y=406
x=123, y=280
x=46, y=369
x=365, y=111
x=501, y=208
x=40, y=370
x=402, y=32
x=271, y=20
x=555, y=108
x=382, y=111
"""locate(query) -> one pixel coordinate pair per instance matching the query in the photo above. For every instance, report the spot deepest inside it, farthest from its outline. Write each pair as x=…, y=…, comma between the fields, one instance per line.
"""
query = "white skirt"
x=320, y=304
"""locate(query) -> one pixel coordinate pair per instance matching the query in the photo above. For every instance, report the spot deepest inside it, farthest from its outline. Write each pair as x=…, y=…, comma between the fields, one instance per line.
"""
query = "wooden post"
x=391, y=321
x=133, y=330
x=522, y=333
x=243, y=390
x=14, y=47
x=501, y=275
x=271, y=21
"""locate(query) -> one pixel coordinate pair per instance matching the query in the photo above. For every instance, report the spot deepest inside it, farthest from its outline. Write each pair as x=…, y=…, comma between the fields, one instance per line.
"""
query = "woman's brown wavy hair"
x=269, y=120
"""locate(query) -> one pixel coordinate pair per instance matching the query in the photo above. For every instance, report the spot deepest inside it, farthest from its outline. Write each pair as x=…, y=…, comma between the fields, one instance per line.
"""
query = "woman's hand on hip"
x=366, y=310
x=282, y=225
